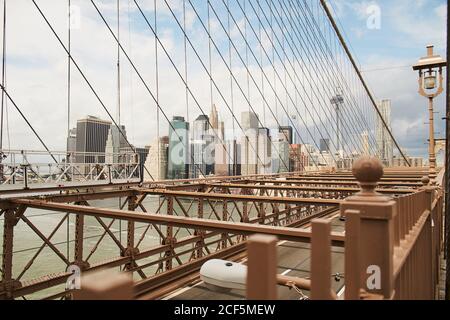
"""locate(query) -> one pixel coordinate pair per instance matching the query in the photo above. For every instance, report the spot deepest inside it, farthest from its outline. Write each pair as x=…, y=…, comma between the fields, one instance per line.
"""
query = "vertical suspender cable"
x=157, y=88
x=3, y=82
x=210, y=55
x=344, y=45
x=447, y=171
x=118, y=66
x=118, y=106
x=69, y=45
x=185, y=62
x=230, y=59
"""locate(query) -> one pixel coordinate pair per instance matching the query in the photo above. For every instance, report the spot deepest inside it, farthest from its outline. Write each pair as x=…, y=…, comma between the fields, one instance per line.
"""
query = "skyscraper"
x=221, y=159
x=249, y=120
x=264, y=148
x=288, y=132
x=131, y=155
x=234, y=158
x=280, y=154
x=214, y=118
x=116, y=141
x=324, y=145
x=179, y=152
x=202, y=148
x=385, y=145
x=298, y=158
x=249, y=144
x=71, y=145
x=365, y=147
x=156, y=163
x=92, y=134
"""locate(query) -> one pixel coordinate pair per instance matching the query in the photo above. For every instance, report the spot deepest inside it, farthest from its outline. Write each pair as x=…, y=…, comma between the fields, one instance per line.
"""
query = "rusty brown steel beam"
x=35, y=190
x=244, y=198
x=283, y=233
x=347, y=178
x=345, y=183
x=44, y=282
x=387, y=174
x=159, y=285
x=215, y=178
x=34, y=285
x=301, y=188
x=88, y=196
x=144, y=286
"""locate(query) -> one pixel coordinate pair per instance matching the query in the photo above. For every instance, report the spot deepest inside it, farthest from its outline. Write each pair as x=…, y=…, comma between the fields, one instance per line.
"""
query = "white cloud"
x=37, y=69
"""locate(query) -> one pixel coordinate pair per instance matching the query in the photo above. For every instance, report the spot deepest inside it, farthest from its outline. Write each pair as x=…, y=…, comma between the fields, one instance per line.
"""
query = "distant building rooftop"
x=94, y=119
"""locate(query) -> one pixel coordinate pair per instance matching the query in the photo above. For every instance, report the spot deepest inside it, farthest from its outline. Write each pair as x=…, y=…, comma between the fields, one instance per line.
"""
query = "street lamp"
x=337, y=101
x=431, y=82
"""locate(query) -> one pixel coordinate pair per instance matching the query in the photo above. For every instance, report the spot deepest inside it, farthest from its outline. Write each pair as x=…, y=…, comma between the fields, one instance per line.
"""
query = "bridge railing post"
x=352, y=255
x=262, y=267
x=433, y=226
x=321, y=260
x=376, y=230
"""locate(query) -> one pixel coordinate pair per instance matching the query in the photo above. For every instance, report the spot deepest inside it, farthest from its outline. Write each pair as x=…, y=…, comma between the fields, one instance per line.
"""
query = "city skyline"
x=204, y=149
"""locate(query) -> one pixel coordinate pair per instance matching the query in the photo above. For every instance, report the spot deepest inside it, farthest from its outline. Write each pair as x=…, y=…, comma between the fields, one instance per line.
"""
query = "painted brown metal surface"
x=265, y=205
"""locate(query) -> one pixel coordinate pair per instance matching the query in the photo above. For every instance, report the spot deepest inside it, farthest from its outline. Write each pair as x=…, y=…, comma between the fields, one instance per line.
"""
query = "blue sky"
x=407, y=26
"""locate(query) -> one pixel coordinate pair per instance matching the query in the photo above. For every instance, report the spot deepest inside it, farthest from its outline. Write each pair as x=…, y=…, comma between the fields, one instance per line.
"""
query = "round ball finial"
x=425, y=180
x=368, y=171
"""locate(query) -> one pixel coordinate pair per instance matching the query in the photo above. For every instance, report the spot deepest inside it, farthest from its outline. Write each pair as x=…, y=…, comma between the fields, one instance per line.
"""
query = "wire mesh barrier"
x=25, y=168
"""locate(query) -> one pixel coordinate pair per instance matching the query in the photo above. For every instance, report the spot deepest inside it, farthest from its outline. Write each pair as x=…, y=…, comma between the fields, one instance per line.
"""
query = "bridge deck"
x=293, y=260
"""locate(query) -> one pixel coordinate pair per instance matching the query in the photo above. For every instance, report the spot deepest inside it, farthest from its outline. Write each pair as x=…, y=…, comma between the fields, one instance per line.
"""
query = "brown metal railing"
x=384, y=236
x=392, y=245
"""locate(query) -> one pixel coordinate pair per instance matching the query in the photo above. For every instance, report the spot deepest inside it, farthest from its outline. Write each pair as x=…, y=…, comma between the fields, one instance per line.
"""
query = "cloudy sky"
x=37, y=64
x=406, y=27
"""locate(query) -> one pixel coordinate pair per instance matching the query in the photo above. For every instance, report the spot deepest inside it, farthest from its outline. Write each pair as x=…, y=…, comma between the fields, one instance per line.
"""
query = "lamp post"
x=430, y=86
x=337, y=101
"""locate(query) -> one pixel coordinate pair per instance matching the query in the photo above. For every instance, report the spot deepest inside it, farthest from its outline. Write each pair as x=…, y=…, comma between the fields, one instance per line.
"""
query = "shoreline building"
x=415, y=162
x=325, y=145
x=234, y=158
x=179, y=152
x=115, y=143
x=288, y=133
x=384, y=141
x=264, y=148
x=157, y=160
x=91, y=137
x=298, y=158
x=221, y=160
x=280, y=154
x=365, y=145
x=130, y=156
x=249, y=143
x=202, y=146
x=71, y=145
